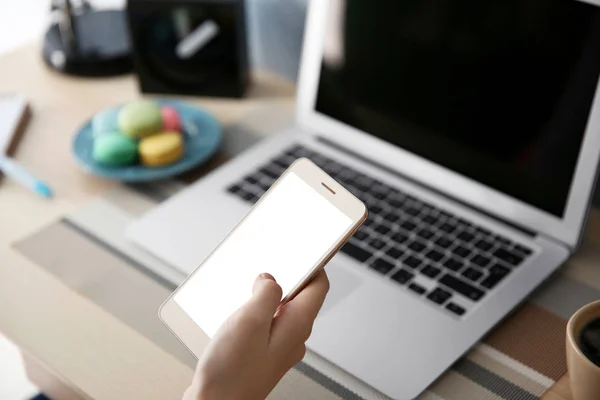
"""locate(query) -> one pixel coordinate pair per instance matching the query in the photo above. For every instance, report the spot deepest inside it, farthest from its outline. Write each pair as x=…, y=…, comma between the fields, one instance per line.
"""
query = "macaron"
x=161, y=149
x=171, y=119
x=140, y=118
x=106, y=121
x=114, y=148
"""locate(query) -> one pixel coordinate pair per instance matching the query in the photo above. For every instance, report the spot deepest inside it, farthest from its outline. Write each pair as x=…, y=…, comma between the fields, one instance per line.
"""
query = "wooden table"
x=73, y=347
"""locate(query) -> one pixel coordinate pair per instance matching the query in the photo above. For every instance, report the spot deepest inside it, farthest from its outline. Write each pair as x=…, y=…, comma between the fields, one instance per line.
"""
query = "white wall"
x=24, y=21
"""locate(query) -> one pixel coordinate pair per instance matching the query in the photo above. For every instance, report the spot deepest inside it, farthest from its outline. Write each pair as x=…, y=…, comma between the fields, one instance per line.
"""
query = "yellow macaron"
x=161, y=149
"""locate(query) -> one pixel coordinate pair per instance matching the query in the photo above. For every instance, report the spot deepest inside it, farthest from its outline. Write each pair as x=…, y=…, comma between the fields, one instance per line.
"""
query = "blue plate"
x=202, y=135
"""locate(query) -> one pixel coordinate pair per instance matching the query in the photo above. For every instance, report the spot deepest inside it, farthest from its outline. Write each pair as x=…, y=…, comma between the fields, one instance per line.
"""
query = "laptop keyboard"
x=436, y=255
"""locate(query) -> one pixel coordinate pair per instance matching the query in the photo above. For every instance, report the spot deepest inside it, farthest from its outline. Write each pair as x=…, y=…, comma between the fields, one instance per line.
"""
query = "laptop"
x=472, y=132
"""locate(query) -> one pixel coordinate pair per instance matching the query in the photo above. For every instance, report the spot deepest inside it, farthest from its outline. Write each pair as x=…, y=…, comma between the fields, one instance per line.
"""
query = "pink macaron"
x=171, y=119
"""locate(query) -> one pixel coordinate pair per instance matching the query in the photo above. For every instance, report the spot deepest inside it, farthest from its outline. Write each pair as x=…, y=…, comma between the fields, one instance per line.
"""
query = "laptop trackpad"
x=342, y=283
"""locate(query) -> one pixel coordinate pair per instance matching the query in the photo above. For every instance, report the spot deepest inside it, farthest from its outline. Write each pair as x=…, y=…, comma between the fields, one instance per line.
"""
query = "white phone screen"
x=286, y=235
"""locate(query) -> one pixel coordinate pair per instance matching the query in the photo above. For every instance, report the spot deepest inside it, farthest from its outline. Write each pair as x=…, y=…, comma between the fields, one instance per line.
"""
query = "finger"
x=295, y=321
x=266, y=297
x=310, y=300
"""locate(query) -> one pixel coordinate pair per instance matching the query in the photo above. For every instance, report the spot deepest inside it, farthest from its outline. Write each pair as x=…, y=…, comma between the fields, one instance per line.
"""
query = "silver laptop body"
x=396, y=332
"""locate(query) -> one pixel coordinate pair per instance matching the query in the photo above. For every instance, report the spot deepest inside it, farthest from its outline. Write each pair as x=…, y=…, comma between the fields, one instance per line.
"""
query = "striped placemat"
x=521, y=359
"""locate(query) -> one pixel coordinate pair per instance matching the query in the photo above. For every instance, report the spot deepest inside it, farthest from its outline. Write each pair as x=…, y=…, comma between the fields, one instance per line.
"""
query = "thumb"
x=266, y=296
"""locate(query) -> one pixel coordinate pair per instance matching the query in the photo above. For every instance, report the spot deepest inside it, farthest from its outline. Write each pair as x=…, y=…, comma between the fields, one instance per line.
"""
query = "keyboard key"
x=443, y=242
x=434, y=255
x=435, y=213
x=377, y=244
x=412, y=211
x=234, y=189
x=466, y=236
x=356, y=252
x=472, y=274
x=365, y=181
x=281, y=163
x=382, y=229
x=269, y=173
x=370, y=202
x=464, y=222
x=246, y=195
x=455, y=308
x=418, y=289
x=332, y=167
x=525, y=250
x=496, y=274
x=430, y=271
x=453, y=264
x=417, y=246
x=391, y=217
x=348, y=175
x=412, y=262
x=502, y=239
x=499, y=270
x=395, y=202
x=439, y=296
x=375, y=209
x=480, y=260
x=299, y=151
x=319, y=160
x=402, y=276
x=462, y=287
x=361, y=235
x=251, y=180
x=445, y=214
x=370, y=221
x=409, y=226
x=395, y=194
x=484, y=245
x=482, y=231
x=400, y=237
x=426, y=208
x=510, y=257
x=379, y=188
x=395, y=253
x=462, y=252
x=425, y=233
x=446, y=227
x=417, y=203
x=360, y=189
x=429, y=219
x=410, y=198
x=263, y=186
x=463, y=225
x=276, y=169
x=382, y=266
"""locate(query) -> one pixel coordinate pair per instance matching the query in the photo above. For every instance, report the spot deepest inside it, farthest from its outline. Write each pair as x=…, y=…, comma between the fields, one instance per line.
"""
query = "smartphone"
x=293, y=230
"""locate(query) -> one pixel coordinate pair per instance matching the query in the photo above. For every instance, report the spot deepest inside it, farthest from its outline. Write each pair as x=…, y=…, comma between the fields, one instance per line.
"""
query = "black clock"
x=189, y=47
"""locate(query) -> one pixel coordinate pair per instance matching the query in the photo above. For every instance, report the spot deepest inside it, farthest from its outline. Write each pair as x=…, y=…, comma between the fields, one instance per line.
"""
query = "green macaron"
x=114, y=148
x=140, y=118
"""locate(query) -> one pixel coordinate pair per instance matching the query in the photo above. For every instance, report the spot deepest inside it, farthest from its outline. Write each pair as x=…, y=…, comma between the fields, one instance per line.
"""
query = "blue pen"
x=14, y=171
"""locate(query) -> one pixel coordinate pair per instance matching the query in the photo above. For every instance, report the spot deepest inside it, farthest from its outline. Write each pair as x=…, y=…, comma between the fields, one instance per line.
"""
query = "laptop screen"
x=498, y=90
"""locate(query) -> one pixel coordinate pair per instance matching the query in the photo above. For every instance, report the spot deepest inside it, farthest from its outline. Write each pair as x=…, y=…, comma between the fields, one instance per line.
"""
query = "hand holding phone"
x=259, y=343
x=291, y=233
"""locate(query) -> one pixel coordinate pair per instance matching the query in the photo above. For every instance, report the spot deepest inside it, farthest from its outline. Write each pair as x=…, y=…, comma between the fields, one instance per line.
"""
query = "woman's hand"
x=257, y=345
